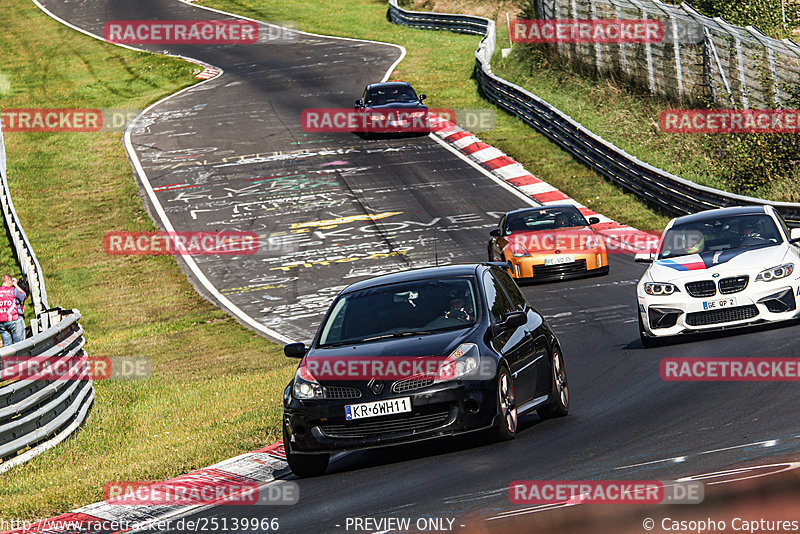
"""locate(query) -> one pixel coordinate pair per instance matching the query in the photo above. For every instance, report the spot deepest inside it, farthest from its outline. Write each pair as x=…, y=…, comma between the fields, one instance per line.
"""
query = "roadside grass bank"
x=761, y=165
x=440, y=64
x=216, y=387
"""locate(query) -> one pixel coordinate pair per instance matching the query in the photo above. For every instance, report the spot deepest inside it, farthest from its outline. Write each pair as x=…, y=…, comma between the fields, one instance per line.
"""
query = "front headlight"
x=518, y=251
x=775, y=273
x=377, y=116
x=418, y=114
x=305, y=385
x=464, y=361
x=660, y=288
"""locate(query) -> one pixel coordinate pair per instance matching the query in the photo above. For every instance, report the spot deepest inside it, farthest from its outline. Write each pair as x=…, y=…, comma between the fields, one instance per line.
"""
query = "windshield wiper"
x=398, y=334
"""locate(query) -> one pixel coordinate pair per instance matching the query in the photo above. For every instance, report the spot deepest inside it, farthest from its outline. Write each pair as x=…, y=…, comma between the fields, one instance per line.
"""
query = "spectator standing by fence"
x=12, y=325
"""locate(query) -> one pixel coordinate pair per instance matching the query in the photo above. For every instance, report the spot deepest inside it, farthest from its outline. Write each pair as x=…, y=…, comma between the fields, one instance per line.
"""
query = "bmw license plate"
x=377, y=408
x=720, y=303
x=558, y=260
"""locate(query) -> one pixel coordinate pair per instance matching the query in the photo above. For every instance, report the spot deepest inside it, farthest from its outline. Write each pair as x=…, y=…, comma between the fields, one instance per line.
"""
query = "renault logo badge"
x=376, y=385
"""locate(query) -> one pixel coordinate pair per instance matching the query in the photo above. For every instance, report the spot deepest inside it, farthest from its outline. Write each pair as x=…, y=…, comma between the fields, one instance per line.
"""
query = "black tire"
x=506, y=406
x=305, y=465
x=558, y=404
x=647, y=341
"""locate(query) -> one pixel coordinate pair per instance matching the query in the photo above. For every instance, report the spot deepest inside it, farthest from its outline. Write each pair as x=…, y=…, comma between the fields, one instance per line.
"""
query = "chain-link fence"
x=700, y=59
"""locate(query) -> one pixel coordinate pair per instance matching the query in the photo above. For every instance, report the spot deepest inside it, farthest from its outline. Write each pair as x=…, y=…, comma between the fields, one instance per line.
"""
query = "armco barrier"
x=659, y=188
x=37, y=412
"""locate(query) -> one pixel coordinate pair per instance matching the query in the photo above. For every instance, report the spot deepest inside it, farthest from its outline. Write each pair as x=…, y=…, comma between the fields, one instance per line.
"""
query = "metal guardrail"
x=700, y=58
x=39, y=410
x=659, y=188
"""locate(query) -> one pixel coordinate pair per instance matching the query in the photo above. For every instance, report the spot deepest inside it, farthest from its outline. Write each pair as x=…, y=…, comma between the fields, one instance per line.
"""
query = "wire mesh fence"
x=699, y=59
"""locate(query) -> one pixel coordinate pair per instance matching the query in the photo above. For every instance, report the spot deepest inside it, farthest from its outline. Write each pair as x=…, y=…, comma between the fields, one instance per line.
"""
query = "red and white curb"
x=257, y=467
x=208, y=72
x=512, y=172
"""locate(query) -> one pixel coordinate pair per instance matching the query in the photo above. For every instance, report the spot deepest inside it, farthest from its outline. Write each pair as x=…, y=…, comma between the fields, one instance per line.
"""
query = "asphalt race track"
x=230, y=154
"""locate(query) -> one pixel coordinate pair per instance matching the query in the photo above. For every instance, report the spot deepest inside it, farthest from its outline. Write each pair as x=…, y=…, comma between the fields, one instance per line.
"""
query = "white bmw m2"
x=716, y=269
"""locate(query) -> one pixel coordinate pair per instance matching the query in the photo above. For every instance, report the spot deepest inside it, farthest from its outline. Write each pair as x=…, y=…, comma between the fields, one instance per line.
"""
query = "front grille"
x=387, y=425
x=725, y=315
x=562, y=270
x=410, y=384
x=341, y=392
x=733, y=284
x=703, y=288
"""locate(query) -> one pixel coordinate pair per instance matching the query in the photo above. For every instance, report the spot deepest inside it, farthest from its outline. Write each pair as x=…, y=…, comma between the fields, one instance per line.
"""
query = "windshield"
x=388, y=95
x=419, y=307
x=722, y=233
x=544, y=219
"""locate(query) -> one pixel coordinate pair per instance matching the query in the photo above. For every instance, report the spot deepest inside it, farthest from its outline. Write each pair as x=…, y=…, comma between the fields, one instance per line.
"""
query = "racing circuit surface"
x=230, y=154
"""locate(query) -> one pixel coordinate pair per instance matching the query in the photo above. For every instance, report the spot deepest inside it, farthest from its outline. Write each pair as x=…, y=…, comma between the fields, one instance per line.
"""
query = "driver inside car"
x=749, y=231
x=457, y=308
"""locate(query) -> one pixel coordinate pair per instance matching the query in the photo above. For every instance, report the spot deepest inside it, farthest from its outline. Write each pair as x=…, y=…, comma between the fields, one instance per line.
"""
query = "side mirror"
x=496, y=232
x=643, y=257
x=422, y=97
x=594, y=220
x=295, y=350
x=359, y=103
x=794, y=235
x=511, y=320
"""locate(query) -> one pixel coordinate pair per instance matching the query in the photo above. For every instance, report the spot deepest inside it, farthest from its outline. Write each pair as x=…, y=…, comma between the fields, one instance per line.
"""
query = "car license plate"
x=377, y=408
x=558, y=260
x=717, y=304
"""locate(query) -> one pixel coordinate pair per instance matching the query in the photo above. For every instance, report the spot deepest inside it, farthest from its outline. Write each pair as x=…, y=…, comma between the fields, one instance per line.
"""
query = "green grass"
x=216, y=387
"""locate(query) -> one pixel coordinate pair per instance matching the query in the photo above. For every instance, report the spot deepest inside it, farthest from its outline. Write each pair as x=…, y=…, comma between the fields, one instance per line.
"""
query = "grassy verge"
x=630, y=120
x=216, y=387
x=440, y=64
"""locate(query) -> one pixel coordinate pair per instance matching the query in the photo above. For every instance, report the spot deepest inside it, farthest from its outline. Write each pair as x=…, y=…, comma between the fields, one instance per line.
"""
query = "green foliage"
x=765, y=15
x=756, y=163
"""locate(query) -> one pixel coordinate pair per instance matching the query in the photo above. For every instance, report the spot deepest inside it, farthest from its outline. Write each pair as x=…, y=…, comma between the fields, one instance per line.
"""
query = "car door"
x=513, y=343
x=534, y=360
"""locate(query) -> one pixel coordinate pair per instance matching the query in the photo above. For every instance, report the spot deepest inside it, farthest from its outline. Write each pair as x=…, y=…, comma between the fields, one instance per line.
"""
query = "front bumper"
x=320, y=426
x=534, y=267
x=679, y=313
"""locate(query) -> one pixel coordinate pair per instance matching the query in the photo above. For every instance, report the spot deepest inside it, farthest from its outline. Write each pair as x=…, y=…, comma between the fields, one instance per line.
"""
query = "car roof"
x=721, y=212
x=445, y=271
x=387, y=85
x=539, y=208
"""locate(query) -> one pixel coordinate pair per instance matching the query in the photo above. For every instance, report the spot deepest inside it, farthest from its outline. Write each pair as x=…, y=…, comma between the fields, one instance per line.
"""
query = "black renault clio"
x=420, y=354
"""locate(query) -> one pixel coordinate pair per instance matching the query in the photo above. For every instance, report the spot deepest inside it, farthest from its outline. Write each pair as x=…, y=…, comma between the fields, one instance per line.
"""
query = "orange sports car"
x=549, y=243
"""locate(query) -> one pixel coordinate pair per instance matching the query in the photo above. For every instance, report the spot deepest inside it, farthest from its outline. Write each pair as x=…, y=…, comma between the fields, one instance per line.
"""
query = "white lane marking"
x=244, y=317
x=505, y=185
x=90, y=34
x=786, y=466
x=385, y=77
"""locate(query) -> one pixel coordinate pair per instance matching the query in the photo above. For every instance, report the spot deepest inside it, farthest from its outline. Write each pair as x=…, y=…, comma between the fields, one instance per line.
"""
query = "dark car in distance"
x=392, y=107
x=494, y=358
